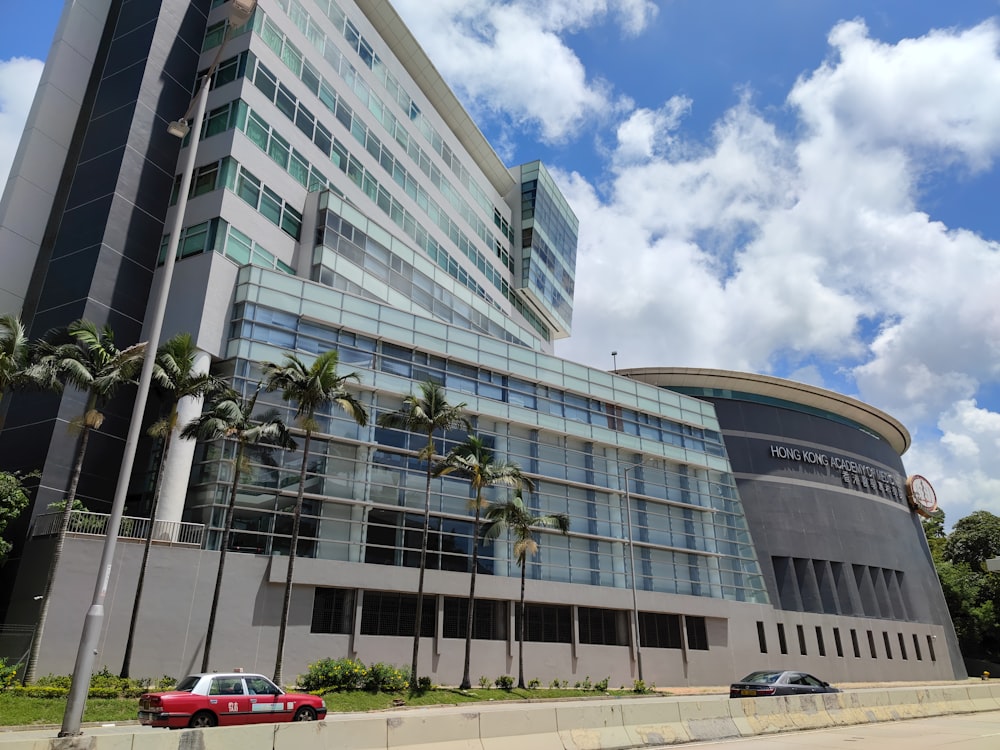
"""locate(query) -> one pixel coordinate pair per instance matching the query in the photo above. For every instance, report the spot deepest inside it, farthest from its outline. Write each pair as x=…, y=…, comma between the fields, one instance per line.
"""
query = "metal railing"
x=132, y=527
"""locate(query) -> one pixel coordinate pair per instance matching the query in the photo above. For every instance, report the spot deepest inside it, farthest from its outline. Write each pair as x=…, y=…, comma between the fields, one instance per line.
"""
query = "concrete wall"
x=179, y=583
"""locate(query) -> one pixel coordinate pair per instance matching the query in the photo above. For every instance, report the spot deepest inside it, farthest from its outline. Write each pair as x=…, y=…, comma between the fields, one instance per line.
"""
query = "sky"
x=801, y=188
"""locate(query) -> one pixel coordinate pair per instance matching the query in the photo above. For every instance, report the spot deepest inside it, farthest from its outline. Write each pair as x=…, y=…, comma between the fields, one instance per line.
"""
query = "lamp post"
x=239, y=13
x=614, y=361
x=631, y=557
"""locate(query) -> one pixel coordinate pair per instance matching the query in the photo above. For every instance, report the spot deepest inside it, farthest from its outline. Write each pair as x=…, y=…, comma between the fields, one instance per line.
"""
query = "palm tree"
x=18, y=361
x=474, y=460
x=514, y=515
x=312, y=388
x=427, y=414
x=230, y=416
x=172, y=374
x=91, y=363
x=14, y=352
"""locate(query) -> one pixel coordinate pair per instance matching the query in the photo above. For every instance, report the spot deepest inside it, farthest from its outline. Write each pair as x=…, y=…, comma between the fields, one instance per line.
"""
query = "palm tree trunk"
x=466, y=678
x=520, y=633
x=223, y=546
x=36, y=639
x=127, y=659
x=420, y=579
x=291, y=561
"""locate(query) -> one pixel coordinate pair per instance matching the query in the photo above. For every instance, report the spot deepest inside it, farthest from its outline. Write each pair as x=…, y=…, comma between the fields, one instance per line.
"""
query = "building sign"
x=853, y=474
x=922, y=496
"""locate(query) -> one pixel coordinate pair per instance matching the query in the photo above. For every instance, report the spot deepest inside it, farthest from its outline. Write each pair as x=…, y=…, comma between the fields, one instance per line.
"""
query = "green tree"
x=230, y=417
x=90, y=362
x=514, y=516
x=975, y=539
x=313, y=388
x=173, y=377
x=13, y=501
x=427, y=414
x=936, y=536
x=19, y=368
x=474, y=460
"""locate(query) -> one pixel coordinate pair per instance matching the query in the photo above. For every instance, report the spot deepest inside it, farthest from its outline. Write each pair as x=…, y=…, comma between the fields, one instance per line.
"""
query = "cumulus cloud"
x=809, y=253
x=18, y=81
x=509, y=60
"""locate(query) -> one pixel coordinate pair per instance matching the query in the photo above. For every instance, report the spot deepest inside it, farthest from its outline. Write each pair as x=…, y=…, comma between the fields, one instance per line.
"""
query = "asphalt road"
x=979, y=731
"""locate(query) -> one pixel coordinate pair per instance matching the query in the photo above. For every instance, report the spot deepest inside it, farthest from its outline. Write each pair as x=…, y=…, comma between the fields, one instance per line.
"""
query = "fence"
x=131, y=527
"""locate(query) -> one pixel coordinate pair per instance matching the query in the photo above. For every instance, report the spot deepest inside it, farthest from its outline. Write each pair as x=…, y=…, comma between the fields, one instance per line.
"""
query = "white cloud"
x=509, y=60
x=18, y=81
x=804, y=253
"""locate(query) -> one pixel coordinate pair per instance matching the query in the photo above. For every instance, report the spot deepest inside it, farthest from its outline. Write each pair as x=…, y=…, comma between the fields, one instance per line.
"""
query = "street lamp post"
x=239, y=14
x=631, y=556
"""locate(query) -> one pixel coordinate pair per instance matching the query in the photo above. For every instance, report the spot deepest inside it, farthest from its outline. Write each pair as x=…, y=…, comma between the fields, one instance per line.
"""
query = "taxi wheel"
x=203, y=719
x=306, y=713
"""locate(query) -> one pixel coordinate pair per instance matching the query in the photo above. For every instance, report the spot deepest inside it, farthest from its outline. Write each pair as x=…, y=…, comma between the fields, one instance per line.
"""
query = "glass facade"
x=365, y=486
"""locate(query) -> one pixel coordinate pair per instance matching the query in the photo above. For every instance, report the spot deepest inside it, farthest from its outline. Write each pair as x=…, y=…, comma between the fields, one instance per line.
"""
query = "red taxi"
x=219, y=698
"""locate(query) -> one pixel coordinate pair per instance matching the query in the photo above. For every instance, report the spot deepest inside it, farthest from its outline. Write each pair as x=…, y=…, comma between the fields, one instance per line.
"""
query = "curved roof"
x=872, y=419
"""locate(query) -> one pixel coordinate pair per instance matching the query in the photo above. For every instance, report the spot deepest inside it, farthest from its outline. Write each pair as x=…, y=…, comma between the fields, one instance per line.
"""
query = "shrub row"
x=103, y=684
x=351, y=674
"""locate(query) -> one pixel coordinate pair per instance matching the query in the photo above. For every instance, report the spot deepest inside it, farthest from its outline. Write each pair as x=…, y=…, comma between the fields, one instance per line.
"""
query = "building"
x=343, y=198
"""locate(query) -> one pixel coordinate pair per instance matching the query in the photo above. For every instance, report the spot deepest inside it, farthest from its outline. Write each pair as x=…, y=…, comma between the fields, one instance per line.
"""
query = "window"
x=916, y=648
x=603, y=627
x=387, y=613
x=930, y=647
x=761, y=637
x=782, y=643
x=837, y=643
x=854, y=643
x=547, y=623
x=902, y=647
x=333, y=611
x=871, y=644
x=658, y=630
x=888, y=646
x=819, y=641
x=489, y=622
x=697, y=633
x=802, y=639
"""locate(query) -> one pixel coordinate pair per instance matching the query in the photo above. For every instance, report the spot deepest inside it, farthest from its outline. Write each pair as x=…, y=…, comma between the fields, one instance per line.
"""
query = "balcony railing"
x=133, y=528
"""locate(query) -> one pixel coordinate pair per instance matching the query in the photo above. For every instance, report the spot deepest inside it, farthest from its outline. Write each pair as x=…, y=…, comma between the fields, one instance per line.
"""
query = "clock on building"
x=921, y=494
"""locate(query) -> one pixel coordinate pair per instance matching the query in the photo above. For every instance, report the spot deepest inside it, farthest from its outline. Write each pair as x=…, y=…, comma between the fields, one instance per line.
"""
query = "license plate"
x=748, y=692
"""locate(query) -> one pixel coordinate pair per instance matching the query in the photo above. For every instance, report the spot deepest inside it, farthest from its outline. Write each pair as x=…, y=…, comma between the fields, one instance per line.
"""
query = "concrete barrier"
x=591, y=726
x=533, y=726
x=708, y=718
x=339, y=730
x=441, y=729
x=610, y=724
x=653, y=722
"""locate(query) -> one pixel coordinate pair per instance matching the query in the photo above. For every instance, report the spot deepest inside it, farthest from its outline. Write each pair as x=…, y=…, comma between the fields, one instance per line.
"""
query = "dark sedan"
x=777, y=682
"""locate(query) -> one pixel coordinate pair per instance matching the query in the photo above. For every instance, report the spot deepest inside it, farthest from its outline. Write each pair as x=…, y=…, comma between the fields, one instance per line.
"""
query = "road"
x=979, y=731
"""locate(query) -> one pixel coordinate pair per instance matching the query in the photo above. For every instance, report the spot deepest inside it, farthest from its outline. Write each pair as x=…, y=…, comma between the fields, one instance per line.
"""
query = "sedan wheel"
x=203, y=719
x=306, y=713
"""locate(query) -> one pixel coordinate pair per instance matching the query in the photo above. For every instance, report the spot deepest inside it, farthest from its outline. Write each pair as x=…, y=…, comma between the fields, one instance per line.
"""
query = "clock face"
x=922, y=495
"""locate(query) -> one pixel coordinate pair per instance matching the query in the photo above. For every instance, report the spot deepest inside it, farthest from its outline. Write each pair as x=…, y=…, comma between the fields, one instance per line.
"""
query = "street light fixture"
x=239, y=13
x=631, y=557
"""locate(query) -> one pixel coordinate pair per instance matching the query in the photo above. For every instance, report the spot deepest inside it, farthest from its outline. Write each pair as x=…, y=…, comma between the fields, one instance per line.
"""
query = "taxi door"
x=228, y=698
x=265, y=701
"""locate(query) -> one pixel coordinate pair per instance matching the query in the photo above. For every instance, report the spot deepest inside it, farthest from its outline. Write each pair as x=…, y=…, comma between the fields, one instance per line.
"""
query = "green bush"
x=639, y=687
x=334, y=674
x=423, y=684
x=8, y=674
x=54, y=680
x=602, y=686
x=485, y=682
x=534, y=683
x=504, y=682
x=385, y=678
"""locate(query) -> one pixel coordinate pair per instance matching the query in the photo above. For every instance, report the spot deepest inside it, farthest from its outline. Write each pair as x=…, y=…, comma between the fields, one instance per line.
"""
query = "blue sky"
x=804, y=188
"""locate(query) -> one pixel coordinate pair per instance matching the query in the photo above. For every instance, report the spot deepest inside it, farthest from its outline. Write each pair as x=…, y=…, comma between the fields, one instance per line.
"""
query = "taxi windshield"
x=187, y=684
